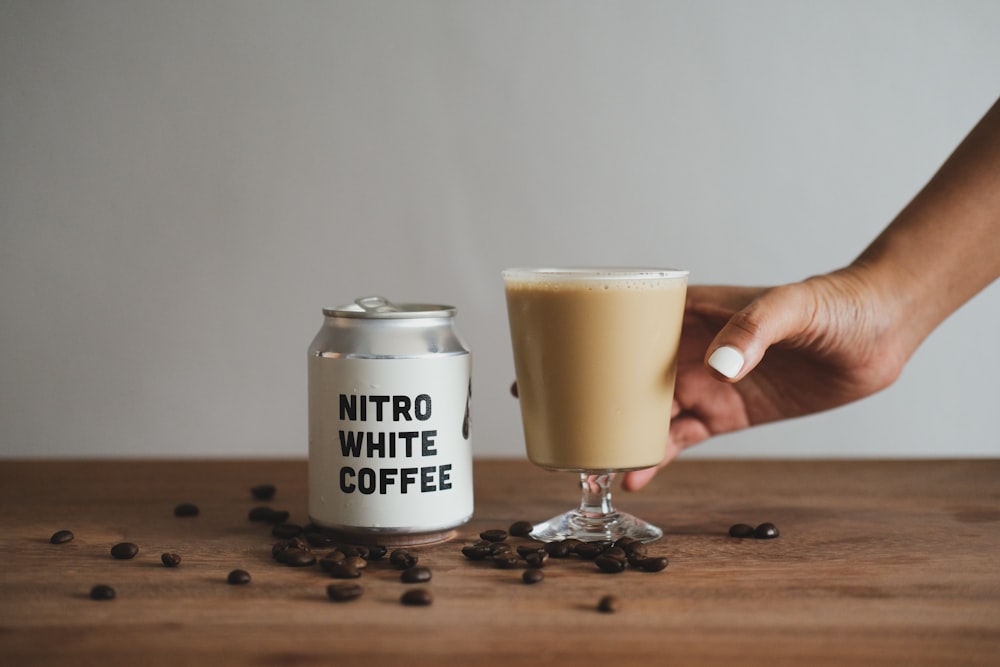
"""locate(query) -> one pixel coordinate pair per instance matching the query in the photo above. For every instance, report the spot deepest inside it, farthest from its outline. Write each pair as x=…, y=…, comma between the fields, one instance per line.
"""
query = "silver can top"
x=378, y=307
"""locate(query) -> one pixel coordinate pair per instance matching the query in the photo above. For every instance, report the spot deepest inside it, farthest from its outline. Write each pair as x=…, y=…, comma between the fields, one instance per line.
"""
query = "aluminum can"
x=390, y=448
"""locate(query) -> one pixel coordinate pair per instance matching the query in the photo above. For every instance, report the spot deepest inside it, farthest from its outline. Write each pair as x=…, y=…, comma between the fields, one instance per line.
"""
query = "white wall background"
x=183, y=185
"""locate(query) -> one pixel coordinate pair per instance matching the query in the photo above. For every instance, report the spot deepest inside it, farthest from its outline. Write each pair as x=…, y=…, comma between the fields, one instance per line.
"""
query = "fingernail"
x=727, y=360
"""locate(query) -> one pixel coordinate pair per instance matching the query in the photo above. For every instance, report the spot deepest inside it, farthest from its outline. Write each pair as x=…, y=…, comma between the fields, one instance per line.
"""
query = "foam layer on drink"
x=595, y=354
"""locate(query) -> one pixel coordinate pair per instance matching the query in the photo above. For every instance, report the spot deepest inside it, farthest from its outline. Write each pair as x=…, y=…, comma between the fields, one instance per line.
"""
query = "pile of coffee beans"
x=609, y=556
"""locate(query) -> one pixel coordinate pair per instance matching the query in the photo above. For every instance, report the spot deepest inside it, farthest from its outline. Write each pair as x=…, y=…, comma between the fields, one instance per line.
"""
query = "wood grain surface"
x=878, y=563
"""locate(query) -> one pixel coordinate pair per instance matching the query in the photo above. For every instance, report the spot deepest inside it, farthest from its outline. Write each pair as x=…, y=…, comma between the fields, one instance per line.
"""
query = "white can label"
x=389, y=443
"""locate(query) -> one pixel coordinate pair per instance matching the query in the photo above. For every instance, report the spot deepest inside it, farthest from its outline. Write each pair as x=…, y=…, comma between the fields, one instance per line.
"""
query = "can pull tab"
x=376, y=304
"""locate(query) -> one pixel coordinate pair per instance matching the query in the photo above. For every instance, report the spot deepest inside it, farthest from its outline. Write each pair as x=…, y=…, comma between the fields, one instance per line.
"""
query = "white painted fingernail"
x=727, y=360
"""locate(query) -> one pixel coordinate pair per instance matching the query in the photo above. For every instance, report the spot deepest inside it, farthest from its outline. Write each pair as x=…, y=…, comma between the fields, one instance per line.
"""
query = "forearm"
x=944, y=247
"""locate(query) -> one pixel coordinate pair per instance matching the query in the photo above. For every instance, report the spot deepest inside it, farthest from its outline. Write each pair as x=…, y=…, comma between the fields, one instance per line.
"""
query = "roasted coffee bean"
x=354, y=550
x=520, y=529
x=402, y=559
x=625, y=541
x=530, y=548
x=356, y=561
x=170, y=559
x=766, y=531
x=286, y=531
x=186, y=509
x=298, y=558
x=615, y=552
x=279, y=549
x=343, y=592
x=610, y=564
x=476, y=552
x=561, y=549
x=417, y=597
x=328, y=562
x=589, y=550
x=343, y=570
x=532, y=576
x=418, y=574
x=506, y=561
x=319, y=539
x=494, y=535
x=499, y=548
x=513, y=389
x=237, y=577
x=741, y=530
x=651, y=563
x=635, y=549
x=263, y=491
x=537, y=559
x=102, y=592
x=62, y=537
x=124, y=550
x=608, y=604
x=376, y=552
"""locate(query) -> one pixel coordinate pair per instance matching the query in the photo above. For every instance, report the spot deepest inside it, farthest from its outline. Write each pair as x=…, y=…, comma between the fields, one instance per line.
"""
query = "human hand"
x=828, y=341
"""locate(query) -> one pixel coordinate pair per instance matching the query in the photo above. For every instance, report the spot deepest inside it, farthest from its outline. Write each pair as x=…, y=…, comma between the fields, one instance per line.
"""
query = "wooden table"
x=894, y=563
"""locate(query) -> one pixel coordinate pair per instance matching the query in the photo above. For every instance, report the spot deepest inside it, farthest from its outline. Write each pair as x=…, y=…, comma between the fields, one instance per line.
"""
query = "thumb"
x=778, y=314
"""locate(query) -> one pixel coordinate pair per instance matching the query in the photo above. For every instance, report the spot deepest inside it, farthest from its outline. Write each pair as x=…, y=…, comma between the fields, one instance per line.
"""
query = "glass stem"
x=596, y=488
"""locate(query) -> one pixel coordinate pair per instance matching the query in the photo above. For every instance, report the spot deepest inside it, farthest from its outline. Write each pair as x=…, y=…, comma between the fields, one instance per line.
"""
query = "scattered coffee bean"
x=186, y=510
x=417, y=574
x=506, y=561
x=652, y=564
x=615, y=552
x=335, y=556
x=319, y=539
x=532, y=576
x=102, y=592
x=476, y=552
x=608, y=604
x=537, y=559
x=494, y=535
x=520, y=529
x=741, y=530
x=766, y=531
x=237, y=577
x=635, y=549
x=62, y=537
x=402, y=559
x=610, y=564
x=530, y=548
x=298, y=558
x=124, y=550
x=263, y=491
x=417, y=597
x=286, y=530
x=499, y=548
x=343, y=570
x=170, y=559
x=354, y=550
x=561, y=549
x=376, y=552
x=513, y=389
x=343, y=592
x=589, y=550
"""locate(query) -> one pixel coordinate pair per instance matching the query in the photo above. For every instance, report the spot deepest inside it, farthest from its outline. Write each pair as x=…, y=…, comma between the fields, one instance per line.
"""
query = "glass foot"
x=609, y=527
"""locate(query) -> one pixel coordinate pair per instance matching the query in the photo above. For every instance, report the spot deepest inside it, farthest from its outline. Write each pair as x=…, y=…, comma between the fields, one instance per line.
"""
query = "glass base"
x=589, y=528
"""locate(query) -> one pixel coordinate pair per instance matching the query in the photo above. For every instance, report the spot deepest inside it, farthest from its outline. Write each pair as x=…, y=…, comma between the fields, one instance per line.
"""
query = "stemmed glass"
x=595, y=356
